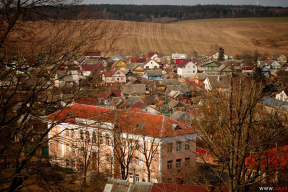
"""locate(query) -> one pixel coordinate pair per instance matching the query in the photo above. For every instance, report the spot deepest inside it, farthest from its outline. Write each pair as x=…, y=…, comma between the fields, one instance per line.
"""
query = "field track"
x=267, y=35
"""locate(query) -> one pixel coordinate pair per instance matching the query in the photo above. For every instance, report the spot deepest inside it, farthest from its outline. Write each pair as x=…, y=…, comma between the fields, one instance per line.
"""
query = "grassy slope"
x=234, y=35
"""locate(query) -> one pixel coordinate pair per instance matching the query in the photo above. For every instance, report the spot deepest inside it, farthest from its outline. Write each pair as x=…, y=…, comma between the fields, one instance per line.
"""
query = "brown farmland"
x=267, y=35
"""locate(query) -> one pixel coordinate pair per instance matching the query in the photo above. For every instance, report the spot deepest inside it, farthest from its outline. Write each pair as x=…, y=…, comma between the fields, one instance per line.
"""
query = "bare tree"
x=239, y=131
x=31, y=54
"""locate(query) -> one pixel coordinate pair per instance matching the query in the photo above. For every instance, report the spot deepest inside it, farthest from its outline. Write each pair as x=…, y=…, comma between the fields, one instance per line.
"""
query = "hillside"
x=267, y=35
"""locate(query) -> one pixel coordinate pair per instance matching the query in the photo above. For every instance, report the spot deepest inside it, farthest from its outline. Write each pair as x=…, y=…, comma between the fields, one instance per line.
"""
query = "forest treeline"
x=157, y=13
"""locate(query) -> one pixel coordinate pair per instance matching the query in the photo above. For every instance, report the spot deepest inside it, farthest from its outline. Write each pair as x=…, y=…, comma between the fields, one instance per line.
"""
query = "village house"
x=224, y=70
x=133, y=89
x=279, y=58
x=66, y=78
x=178, y=56
x=151, y=75
x=210, y=65
x=136, y=68
x=86, y=69
x=137, y=60
x=200, y=78
x=186, y=69
x=183, y=89
x=106, y=96
x=152, y=55
x=114, y=75
x=95, y=127
x=121, y=65
x=162, y=83
x=150, y=64
x=219, y=83
x=282, y=96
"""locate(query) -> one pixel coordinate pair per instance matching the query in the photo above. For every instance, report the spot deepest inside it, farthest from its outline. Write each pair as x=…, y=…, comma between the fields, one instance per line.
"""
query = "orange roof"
x=133, y=121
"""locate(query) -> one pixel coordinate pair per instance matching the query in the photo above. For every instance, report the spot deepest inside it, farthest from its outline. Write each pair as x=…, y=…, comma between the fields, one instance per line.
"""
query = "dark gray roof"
x=271, y=102
x=181, y=88
x=160, y=82
x=202, y=76
x=133, y=88
x=222, y=82
x=132, y=100
x=151, y=73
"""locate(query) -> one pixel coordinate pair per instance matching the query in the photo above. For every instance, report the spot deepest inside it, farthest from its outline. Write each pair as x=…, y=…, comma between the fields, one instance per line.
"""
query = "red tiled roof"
x=110, y=72
x=167, y=187
x=127, y=119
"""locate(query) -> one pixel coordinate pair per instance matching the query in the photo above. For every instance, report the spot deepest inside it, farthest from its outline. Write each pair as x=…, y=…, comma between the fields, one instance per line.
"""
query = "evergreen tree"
x=221, y=54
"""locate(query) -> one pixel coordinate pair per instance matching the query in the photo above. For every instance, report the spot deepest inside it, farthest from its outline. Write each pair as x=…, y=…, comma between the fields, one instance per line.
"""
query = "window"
x=187, y=161
x=147, y=67
x=188, y=66
x=107, y=158
x=193, y=71
x=187, y=146
x=193, y=66
x=178, y=163
x=113, y=79
x=73, y=149
x=155, y=67
x=93, y=137
x=100, y=138
x=178, y=148
x=137, y=177
x=137, y=161
x=169, y=148
x=130, y=162
x=67, y=148
x=122, y=78
x=72, y=134
x=123, y=142
x=188, y=71
x=73, y=163
x=81, y=135
x=67, y=133
x=82, y=152
x=169, y=180
x=137, y=144
x=67, y=163
x=130, y=143
x=87, y=136
x=107, y=139
x=169, y=165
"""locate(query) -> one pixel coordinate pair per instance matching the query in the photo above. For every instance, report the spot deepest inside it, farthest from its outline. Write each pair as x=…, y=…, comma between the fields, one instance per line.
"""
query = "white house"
x=151, y=65
x=282, y=96
x=179, y=56
x=114, y=75
x=187, y=69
